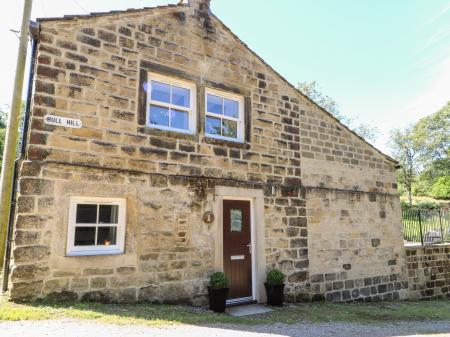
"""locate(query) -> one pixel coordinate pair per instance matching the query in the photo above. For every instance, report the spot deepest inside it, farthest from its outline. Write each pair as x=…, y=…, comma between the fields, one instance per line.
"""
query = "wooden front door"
x=237, y=258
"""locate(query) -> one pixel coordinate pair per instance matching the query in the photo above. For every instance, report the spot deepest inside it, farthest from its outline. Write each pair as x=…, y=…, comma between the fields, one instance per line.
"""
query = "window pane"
x=231, y=108
x=160, y=92
x=229, y=128
x=159, y=115
x=179, y=119
x=86, y=213
x=106, y=236
x=214, y=104
x=212, y=126
x=181, y=96
x=84, y=236
x=108, y=214
x=236, y=220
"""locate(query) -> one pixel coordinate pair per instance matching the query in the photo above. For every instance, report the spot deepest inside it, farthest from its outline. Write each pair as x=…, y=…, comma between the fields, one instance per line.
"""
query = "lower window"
x=96, y=226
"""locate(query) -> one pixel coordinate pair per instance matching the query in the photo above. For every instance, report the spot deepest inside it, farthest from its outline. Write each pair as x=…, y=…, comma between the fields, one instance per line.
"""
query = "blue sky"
x=386, y=62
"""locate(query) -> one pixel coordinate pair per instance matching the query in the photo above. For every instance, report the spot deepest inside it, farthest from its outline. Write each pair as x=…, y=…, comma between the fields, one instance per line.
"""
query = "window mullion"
x=171, y=104
x=96, y=227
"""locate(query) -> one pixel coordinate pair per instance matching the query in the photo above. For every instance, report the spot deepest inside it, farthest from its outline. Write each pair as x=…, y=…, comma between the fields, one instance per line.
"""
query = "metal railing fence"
x=426, y=226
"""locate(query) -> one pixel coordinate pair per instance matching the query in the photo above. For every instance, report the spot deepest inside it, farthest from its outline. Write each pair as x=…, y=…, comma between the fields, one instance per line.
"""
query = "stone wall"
x=169, y=250
x=91, y=68
x=355, y=246
x=355, y=240
x=428, y=271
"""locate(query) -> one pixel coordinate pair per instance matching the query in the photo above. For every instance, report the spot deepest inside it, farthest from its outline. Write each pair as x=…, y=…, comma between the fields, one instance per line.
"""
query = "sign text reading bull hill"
x=63, y=121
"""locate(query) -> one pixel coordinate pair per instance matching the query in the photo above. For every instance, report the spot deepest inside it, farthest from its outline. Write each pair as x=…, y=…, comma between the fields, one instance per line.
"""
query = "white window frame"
x=173, y=82
x=240, y=121
x=118, y=248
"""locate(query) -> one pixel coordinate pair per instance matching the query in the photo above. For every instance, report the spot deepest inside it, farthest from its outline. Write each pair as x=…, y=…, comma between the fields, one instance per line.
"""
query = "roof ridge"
x=113, y=12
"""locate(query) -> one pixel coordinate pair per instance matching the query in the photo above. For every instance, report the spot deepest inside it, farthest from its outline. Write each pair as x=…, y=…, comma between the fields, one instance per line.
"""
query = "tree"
x=433, y=132
x=433, y=135
x=2, y=133
x=313, y=92
x=3, y=122
x=406, y=150
x=441, y=188
x=2, y=119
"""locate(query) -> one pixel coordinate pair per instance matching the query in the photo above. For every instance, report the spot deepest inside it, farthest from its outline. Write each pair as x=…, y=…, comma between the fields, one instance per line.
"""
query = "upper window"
x=96, y=226
x=224, y=115
x=171, y=104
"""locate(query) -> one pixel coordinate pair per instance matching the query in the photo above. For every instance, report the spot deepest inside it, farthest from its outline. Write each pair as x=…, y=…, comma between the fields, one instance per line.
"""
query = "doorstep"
x=248, y=310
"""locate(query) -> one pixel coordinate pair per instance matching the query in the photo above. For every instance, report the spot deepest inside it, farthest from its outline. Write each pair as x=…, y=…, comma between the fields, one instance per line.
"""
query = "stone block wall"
x=355, y=239
x=90, y=68
x=428, y=271
x=355, y=246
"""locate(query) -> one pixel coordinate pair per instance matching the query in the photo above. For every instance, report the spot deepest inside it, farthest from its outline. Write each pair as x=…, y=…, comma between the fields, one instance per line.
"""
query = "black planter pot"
x=275, y=294
x=217, y=299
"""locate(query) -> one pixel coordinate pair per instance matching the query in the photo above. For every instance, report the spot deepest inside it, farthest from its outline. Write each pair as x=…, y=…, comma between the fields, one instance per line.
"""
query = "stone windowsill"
x=168, y=134
x=227, y=143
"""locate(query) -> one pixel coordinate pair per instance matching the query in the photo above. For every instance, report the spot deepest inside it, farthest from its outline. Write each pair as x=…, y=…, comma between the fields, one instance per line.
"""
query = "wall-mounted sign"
x=62, y=121
x=208, y=217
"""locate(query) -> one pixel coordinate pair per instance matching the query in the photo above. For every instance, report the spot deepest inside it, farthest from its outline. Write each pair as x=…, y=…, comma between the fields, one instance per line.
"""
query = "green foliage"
x=433, y=133
x=2, y=133
x=406, y=150
x=2, y=119
x=218, y=280
x=423, y=151
x=275, y=277
x=313, y=92
x=3, y=122
x=427, y=205
x=441, y=188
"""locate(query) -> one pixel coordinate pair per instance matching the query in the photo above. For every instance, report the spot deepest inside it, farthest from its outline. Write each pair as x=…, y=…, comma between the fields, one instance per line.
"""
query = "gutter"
x=34, y=33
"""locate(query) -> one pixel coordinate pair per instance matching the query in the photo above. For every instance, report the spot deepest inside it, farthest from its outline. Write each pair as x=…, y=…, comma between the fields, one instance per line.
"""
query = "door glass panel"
x=236, y=220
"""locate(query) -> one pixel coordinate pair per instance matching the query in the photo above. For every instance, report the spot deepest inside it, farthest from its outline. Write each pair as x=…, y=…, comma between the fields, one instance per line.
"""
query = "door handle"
x=249, y=248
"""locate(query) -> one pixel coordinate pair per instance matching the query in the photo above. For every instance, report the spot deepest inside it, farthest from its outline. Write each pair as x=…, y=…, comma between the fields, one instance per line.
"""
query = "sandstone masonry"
x=428, y=271
x=330, y=209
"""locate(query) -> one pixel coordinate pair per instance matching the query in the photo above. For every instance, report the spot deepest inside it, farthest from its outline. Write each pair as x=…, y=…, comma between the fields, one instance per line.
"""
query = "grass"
x=417, y=200
x=160, y=315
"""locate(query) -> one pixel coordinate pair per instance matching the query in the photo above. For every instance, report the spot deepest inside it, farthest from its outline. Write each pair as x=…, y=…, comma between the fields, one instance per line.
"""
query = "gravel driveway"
x=76, y=328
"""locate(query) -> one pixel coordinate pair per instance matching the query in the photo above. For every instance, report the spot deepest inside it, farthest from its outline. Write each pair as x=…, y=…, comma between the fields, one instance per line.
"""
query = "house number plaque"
x=62, y=121
x=208, y=217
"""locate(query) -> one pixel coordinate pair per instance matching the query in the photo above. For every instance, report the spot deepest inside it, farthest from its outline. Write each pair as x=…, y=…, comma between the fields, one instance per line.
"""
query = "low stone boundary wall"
x=428, y=271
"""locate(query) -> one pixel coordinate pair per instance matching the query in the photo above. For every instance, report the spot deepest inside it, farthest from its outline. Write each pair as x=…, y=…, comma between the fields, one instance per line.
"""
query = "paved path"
x=76, y=328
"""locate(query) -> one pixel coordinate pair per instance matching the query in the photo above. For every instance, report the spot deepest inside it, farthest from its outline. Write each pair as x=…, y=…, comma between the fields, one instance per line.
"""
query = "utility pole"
x=12, y=131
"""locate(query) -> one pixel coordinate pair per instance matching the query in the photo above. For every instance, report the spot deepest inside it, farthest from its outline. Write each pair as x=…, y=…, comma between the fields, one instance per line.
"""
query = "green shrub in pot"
x=218, y=292
x=275, y=287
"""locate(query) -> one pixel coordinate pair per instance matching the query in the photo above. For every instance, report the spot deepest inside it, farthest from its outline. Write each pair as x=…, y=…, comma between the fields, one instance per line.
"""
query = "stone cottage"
x=162, y=149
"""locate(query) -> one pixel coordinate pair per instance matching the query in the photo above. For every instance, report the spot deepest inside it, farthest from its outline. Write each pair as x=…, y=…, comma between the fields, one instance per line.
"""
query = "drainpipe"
x=34, y=29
